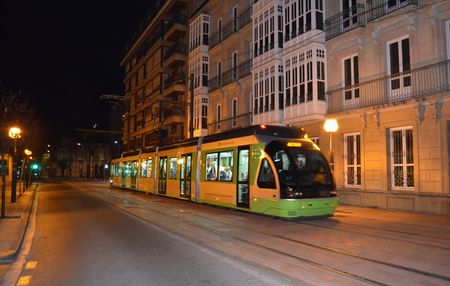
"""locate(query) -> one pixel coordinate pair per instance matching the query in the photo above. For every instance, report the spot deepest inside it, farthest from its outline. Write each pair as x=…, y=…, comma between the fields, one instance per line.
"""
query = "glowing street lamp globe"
x=15, y=132
x=27, y=152
x=330, y=125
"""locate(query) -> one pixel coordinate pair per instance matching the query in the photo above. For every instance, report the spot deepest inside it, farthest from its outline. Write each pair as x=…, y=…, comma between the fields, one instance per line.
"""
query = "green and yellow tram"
x=271, y=170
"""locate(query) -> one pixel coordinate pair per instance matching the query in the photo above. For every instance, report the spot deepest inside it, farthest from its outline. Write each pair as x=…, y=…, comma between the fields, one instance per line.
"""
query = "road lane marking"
x=31, y=265
x=24, y=280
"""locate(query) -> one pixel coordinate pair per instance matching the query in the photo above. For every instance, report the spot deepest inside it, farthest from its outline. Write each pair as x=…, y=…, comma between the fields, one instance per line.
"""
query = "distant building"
x=76, y=159
x=379, y=67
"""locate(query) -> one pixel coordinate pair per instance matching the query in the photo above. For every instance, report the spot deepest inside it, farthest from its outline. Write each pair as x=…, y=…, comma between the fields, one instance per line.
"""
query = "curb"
x=10, y=255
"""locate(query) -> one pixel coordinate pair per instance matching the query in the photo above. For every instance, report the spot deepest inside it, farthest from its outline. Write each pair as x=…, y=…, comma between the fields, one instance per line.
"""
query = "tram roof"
x=265, y=130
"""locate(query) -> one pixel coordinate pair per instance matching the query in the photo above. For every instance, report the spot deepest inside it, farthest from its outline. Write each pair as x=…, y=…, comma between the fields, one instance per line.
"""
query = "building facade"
x=379, y=67
x=388, y=87
x=155, y=78
x=220, y=49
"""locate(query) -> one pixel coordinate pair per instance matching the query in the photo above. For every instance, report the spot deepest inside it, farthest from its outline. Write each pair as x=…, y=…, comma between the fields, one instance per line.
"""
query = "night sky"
x=65, y=54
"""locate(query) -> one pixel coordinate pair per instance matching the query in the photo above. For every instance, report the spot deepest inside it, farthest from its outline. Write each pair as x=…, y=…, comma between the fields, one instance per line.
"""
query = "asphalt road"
x=79, y=240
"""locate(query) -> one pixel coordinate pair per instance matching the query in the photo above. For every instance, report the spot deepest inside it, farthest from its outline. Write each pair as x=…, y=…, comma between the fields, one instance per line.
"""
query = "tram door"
x=243, y=189
x=133, y=174
x=185, y=175
x=162, y=178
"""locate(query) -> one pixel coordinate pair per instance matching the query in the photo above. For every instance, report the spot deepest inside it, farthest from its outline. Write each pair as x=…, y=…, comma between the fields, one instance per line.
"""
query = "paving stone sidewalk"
x=13, y=226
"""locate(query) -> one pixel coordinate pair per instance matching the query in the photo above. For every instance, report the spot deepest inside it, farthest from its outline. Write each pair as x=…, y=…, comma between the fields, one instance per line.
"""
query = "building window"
x=234, y=112
x=219, y=73
x=235, y=18
x=399, y=68
x=402, y=158
x=352, y=160
x=219, y=30
x=234, y=65
x=204, y=116
x=351, y=79
x=218, y=117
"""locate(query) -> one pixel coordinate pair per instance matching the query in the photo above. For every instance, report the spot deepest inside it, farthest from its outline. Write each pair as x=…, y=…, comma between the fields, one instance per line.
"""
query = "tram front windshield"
x=303, y=173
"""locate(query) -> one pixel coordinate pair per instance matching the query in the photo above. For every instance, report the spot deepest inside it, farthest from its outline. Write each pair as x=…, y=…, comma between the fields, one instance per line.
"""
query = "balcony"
x=244, y=69
x=359, y=15
x=175, y=55
x=174, y=115
x=378, y=8
x=347, y=20
x=417, y=83
x=174, y=85
x=231, y=27
x=176, y=27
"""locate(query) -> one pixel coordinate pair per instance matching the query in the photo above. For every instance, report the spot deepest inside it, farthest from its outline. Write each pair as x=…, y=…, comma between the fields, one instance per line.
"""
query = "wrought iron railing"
x=231, y=27
x=420, y=82
x=242, y=70
x=176, y=111
x=180, y=49
x=378, y=8
x=179, y=18
x=239, y=121
x=174, y=79
x=359, y=15
x=347, y=20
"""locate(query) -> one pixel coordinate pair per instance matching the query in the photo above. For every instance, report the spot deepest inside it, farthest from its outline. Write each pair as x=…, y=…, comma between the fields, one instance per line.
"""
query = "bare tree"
x=16, y=109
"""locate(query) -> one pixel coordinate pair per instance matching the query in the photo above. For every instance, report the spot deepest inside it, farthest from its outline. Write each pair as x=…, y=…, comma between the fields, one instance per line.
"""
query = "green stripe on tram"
x=294, y=208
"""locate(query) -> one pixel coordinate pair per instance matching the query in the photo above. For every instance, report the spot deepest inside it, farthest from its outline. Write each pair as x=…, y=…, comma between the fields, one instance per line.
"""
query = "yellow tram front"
x=302, y=178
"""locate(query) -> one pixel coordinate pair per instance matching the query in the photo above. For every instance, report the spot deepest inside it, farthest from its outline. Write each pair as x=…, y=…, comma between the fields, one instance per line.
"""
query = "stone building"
x=379, y=67
x=388, y=87
x=220, y=58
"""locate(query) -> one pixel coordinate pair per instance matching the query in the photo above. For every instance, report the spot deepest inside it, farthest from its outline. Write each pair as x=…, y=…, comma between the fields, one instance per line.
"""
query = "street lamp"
x=331, y=126
x=14, y=133
x=26, y=162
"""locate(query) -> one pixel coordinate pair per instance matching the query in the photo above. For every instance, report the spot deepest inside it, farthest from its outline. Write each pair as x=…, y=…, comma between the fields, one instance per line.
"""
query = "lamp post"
x=14, y=134
x=331, y=126
x=3, y=164
x=26, y=164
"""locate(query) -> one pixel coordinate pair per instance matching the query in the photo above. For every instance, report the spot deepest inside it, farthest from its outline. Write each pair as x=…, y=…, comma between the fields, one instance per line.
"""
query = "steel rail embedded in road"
x=384, y=237
x=305, y=260
x=329, y=249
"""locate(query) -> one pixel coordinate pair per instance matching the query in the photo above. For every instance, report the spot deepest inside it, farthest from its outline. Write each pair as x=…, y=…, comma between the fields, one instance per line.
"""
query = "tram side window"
x=219, y=166
x=211, y=166
x=266, y=178
x=117, y=169
x=173, y=168
x=226, y=166
x=127, y=169
x=146, y=170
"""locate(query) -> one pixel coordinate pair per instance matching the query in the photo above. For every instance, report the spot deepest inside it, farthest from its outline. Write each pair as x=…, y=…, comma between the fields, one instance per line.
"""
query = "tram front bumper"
x=293, y=208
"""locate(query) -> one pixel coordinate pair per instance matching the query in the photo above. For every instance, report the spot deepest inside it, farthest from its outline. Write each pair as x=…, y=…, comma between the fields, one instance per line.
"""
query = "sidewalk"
x=13, y=227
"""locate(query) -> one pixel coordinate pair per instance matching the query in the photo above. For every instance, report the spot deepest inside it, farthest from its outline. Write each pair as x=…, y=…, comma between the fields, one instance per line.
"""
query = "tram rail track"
x=335, y=270
x=421, y=236
x=425, y=273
